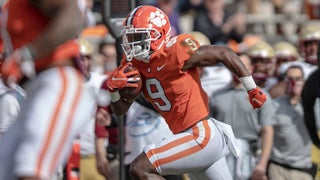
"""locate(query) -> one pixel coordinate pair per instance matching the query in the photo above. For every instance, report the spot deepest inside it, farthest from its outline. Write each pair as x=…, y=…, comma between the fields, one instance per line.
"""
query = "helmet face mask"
x=136, y=42
x=146, y=30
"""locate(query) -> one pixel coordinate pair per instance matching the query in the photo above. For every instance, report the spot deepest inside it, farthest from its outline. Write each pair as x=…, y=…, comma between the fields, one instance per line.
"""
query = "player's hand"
x=257, y=97
x=120, y=78
x=103, y=117
x=259, y=173
x=102, y=165
x=20, y=63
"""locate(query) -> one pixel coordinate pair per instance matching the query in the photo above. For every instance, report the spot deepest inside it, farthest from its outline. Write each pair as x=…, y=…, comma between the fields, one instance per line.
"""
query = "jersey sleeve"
x=185, y=48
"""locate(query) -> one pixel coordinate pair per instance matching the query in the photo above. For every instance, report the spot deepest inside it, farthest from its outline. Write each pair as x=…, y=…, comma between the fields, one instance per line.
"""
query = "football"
x=131, y=93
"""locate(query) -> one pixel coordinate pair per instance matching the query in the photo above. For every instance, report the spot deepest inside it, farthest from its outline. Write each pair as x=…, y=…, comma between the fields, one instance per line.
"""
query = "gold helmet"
x=200, y=37
x=261, y=50
x=310, y=32
x=86, y=48
x=285, y=49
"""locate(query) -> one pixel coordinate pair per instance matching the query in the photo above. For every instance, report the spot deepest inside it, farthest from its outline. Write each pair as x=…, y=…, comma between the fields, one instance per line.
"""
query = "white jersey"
x=9, y=107
x=306, y=67
x=215, y=78
x=87, y=135
x=143, y=126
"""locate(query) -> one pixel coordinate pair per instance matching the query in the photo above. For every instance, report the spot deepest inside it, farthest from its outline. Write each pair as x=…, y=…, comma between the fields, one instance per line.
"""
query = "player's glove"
x=257, y=97
x=120, y=78
x=20, y=63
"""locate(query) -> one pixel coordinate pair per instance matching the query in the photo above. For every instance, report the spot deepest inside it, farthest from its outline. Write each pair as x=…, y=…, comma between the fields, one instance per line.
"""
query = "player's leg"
x=219, y=170
x=193, y=150
x=52, y=118
x=141, y=168
x=9, y=144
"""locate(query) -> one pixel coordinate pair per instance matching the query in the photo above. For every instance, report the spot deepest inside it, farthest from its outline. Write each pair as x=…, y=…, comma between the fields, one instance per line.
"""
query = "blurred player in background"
x=39, y=37
x=10, y=101
x=171, y=82
x=252, y=128
x=309, y=37
x=88, y=142
x=285, y=52
x=310, y=97
x=213, y=78
x=262, y=58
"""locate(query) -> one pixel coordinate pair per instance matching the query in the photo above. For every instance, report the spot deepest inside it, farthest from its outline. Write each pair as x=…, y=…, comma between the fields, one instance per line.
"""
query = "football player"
x=40, y=39
x=170, y=75
x=262, y=58
x=309, y=37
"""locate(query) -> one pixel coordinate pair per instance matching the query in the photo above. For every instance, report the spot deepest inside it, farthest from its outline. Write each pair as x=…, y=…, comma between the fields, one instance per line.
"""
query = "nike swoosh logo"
x=160, y=67
x=118, y=79
x=131, y=79
x=257, y=101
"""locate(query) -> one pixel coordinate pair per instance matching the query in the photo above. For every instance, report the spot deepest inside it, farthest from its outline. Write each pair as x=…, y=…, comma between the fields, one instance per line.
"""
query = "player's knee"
x=133, y=170
x=141, y=167
x=136, y=170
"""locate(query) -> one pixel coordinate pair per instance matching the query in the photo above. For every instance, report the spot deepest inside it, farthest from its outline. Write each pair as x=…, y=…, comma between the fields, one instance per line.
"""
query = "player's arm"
x=211, y=55
x=66, y=21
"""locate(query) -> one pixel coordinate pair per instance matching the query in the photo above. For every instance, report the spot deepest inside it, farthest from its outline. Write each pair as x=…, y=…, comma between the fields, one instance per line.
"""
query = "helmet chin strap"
x=143, y=54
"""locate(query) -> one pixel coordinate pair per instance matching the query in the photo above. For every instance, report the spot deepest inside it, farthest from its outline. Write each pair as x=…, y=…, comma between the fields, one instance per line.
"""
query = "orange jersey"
x=25, y=23
x=177, y=95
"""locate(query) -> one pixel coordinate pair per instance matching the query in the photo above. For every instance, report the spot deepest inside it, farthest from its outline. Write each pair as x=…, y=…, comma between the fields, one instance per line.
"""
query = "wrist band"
x=114, y=96
x=248, y=82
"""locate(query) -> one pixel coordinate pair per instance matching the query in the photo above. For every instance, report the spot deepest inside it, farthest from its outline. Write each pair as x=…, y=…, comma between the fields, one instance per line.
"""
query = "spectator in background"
x=284, y=52
x=290, y=158
x=170, y=8
x=107, y=129
x=218, y=24
x=109, y=54
x=253, y=129
x=309, y=37
x=88, y=170
x=262, y=58
x=215, y=78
